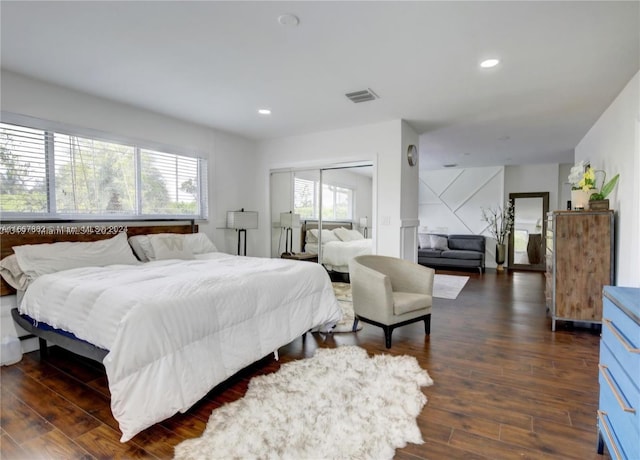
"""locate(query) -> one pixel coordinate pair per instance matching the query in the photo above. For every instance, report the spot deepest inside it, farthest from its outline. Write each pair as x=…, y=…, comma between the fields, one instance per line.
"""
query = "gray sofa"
x=460, y=251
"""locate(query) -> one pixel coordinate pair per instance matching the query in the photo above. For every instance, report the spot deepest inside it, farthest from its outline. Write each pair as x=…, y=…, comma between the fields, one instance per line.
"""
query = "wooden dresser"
x=619, y=408
x=582, y=261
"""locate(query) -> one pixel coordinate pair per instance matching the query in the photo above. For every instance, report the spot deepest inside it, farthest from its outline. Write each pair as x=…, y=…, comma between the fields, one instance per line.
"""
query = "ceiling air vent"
x=362, y=96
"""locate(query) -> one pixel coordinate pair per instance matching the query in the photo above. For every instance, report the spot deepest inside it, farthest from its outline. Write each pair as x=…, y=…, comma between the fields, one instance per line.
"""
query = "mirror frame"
x=545, y=209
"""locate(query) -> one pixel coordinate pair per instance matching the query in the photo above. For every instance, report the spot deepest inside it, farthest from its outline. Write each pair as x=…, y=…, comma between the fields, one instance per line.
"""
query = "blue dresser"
x=619, y=408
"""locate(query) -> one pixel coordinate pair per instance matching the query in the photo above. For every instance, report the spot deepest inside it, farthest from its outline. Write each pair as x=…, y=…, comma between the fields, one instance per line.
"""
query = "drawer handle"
x=621, y=339
x=604, y=371
x=607, y=432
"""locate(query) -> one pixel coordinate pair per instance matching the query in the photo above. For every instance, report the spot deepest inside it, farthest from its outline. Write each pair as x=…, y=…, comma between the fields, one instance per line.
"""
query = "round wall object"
x=412, y=155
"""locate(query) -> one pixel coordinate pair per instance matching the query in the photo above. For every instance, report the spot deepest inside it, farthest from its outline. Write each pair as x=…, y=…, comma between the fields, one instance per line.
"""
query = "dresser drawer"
x=620, y=400
x=609, y=437
x=622, y=336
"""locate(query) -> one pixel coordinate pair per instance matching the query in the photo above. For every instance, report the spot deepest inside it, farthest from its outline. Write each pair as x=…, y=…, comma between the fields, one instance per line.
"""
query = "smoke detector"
x=362, y=96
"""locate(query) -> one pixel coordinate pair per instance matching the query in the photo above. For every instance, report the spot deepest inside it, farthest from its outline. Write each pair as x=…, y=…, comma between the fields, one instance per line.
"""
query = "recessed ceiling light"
x=264, y=111
x=487, y=63
x=288, y=19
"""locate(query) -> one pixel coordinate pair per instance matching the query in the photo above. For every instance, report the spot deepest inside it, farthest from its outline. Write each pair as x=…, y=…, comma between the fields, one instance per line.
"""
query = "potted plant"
x=583, y=184
x=500, y=221
x=598, y=201
x=584, y=191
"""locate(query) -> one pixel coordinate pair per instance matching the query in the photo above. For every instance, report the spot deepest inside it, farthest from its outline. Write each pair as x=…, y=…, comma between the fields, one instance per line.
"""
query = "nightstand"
x=301, y=256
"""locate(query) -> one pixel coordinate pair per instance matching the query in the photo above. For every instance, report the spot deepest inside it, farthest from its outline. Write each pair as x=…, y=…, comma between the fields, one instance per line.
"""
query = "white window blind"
x=169, y=183
x=23, y=170
x=93, y=177
x=53, y=174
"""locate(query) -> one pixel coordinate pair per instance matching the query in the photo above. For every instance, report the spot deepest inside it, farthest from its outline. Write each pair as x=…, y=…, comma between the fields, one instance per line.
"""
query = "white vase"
x=580, y=198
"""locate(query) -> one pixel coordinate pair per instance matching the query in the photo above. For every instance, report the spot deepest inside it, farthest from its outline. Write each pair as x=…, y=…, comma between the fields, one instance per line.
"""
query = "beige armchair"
x=390, y=292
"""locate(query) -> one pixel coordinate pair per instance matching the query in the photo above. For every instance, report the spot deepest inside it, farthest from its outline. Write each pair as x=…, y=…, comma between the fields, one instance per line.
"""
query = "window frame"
x=50, y=127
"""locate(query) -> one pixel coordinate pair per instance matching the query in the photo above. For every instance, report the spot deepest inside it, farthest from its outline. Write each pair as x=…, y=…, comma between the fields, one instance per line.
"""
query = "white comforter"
x=175, y=329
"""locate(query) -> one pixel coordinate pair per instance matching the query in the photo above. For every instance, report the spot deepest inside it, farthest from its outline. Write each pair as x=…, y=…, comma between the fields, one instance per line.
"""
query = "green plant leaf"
x=608, y=187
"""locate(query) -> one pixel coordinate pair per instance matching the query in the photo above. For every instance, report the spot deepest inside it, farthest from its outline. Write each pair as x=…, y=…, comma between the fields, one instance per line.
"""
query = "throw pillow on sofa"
x=423, y=241
x=438, y=242
x=429, y=241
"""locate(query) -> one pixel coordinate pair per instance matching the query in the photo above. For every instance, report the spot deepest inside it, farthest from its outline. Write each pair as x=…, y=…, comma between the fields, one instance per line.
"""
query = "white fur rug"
x=343, y=296
x=339, y=404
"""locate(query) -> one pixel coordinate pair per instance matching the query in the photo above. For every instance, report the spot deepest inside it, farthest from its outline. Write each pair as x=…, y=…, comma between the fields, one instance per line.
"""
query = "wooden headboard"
x=326, y=225
x=19, y=233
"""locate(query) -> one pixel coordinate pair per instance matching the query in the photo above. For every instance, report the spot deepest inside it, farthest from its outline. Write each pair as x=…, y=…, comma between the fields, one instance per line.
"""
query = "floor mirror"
x=527, y=244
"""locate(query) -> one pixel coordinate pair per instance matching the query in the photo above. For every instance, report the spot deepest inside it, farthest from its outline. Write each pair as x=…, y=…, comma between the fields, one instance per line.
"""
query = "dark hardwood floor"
x=506, y=387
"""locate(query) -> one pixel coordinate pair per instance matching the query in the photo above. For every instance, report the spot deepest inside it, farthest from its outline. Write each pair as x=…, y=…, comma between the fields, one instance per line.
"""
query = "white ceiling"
x=216, y=63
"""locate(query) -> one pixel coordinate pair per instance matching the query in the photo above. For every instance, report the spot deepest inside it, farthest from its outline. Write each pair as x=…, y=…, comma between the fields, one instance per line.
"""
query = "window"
x=46, y=173
x=305, y=198
x=337, y=201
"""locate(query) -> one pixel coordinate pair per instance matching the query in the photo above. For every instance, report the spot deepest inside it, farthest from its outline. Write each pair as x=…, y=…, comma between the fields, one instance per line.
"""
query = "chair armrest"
x=371, y=292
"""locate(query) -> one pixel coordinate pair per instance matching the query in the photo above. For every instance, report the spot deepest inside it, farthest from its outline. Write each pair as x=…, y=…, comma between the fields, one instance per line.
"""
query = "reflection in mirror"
x=346, y=206
x=331, y=197
x=527, y=246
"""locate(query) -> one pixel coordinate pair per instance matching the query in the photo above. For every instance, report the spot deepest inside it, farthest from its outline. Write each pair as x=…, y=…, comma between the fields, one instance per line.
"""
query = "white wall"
x=564, y=188
x=535, y=178
x=451, y=201
x=379, y=144
x=231, y=188
x=613, y=145
x=231, y=159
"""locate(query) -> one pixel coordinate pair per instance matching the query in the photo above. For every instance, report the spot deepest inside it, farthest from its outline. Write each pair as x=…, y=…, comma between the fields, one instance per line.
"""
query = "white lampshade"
x=242, y=219
x=289, y=220
x=363, y=222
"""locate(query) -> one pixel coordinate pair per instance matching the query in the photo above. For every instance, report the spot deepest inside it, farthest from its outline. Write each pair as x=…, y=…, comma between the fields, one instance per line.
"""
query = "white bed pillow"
x=344, y=234
x=170, y=246
x=198, y=243
x=13, y=274
x=141, y=247
x=311, y=236
x=327, y=235
x=40, y=259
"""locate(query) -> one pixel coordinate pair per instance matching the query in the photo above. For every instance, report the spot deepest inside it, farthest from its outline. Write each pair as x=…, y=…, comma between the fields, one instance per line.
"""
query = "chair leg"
x=354, y=328
x=387, y=336
x=427, y=325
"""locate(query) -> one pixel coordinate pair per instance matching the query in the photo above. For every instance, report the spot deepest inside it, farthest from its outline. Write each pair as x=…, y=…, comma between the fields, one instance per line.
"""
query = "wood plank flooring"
x=506, y=387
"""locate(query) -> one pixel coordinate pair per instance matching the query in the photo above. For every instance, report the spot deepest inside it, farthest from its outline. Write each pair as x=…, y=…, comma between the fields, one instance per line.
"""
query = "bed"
x=340, y=243
x=167, y=331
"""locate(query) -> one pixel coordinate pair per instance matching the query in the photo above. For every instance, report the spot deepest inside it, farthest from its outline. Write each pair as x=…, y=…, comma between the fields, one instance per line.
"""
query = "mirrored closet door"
x=336, y=200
